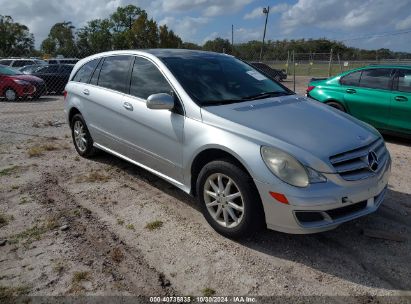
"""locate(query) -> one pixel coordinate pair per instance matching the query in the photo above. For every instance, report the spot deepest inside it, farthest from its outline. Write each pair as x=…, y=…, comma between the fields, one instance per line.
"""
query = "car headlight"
x=21, y=82
x=288, y=169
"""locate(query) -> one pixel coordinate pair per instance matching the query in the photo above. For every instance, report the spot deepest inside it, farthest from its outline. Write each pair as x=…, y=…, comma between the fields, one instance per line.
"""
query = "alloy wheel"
x=223, y=200
x=80, y=135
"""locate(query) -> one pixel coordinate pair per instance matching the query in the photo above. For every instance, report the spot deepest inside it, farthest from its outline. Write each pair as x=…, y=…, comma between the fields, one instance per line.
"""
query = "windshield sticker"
x=257, y=75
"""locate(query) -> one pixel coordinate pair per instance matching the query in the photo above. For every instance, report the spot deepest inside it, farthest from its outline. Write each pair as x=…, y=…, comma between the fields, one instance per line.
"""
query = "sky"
x=368, y=24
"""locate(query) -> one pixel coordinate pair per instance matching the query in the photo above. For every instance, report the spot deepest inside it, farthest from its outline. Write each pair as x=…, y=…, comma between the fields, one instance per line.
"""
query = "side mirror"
x=160, y=101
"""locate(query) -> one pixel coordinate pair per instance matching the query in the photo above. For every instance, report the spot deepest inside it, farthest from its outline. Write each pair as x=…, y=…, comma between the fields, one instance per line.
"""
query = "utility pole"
x=266, y=11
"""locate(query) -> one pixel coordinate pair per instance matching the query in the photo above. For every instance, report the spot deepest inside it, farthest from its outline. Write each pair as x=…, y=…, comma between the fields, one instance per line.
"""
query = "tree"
x=218, y=45
x=122, y=21
x=95, y=37
x=168, y=39
x=60, y=40
x=190, y=46
x=15, y=38
x=144, y=33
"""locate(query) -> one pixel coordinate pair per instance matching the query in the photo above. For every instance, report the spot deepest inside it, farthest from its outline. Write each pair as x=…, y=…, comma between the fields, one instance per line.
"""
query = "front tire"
x=83, y=142
x=229, y=200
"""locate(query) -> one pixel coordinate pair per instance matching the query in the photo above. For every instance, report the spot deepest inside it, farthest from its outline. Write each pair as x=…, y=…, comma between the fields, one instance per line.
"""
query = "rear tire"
x=82, y=140
x=229, y=200
x=10, y=95
x=336, y=105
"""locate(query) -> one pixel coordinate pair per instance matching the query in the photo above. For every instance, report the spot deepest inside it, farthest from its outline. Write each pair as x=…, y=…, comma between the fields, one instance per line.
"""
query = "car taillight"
x=310, y=88
x=65, y=94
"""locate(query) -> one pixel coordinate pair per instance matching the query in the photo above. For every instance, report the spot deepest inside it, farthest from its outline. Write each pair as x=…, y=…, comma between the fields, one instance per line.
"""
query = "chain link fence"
x=54, y=72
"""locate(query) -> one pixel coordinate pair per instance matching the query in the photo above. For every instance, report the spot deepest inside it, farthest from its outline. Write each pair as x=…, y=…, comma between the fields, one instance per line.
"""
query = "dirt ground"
x=104, y=227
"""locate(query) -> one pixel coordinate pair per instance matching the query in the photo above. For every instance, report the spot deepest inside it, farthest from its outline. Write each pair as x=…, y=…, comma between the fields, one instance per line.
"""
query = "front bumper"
x=322, y=207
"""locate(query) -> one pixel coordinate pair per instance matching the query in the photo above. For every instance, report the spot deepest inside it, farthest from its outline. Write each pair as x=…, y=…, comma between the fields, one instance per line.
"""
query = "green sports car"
x=379, y=95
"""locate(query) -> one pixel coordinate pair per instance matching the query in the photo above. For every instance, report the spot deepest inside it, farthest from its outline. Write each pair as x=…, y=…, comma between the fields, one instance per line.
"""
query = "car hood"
x=29, y=78
x=308, y=129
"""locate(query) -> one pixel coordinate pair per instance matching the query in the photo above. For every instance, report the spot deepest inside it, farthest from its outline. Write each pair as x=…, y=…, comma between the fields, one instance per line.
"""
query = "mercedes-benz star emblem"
x=372, y=161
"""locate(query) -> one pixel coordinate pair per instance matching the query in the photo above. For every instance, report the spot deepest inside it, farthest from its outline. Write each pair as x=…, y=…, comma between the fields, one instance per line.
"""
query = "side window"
x=94, y=78
x=376, y=79
x=84, y=73
x=352, y=79
x=53, y=62
x=146, y=79
x=403, y=81
x=114, y=73
x=20, y=63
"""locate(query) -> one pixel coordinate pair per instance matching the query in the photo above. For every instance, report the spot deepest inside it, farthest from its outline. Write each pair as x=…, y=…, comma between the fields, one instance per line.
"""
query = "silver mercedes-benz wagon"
x=254, y=153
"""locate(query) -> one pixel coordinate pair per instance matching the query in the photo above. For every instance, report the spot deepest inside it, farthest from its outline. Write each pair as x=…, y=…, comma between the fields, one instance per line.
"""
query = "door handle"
x=351, y=91
x=401, y=98
x=86, y=92
x=128, y=106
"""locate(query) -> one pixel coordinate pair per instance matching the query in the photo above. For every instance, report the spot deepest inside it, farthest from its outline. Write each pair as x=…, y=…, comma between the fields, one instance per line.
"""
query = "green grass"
x=208, y=292
x=154, y=225
x=34, y=233
x=120, y=222
x=130, y=226
x=80, y=276
x=8, y=293
x=8, y=171
x=5, y=219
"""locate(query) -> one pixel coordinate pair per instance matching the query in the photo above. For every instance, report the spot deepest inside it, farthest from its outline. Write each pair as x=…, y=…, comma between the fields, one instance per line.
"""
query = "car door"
x=370, y=99
x=105, y=111
x=79, y=86
x=155, y=137
x=400, y=114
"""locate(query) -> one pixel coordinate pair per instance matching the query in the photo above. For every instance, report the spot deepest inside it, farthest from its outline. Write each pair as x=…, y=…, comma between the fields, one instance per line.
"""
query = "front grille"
x=354, y=164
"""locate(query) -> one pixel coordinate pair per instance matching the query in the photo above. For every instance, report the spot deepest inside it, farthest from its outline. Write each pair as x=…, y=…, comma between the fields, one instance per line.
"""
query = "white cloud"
x=258, y=11
x=404, y=24
x=211, y=36
x=369, y=15
x=185, y=27
x=244, y=34
x=207, y=7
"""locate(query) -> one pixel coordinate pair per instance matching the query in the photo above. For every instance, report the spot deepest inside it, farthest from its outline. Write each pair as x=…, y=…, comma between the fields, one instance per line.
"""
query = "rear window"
x=114, y=73
x=376, y=79
x=403, y=81
x=48, y=69
x=84, y=73
x=69, y=61
x=66, y=69
x=5, y=62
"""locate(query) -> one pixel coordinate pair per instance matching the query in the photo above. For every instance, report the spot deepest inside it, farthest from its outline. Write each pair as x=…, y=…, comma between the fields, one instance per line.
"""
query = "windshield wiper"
x=206, y=103
x=263, y=95
x=267, y=95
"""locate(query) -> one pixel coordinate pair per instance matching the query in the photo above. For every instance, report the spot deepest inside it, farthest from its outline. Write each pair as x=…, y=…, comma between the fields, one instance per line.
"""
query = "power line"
x=378, y=35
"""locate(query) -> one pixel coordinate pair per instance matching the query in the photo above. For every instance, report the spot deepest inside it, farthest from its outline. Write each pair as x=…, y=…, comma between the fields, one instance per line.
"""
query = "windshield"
x=9, y=71
x=212, y=80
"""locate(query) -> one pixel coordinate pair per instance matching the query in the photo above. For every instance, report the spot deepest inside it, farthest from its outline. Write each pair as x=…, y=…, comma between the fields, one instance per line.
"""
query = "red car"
x=15, y=85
